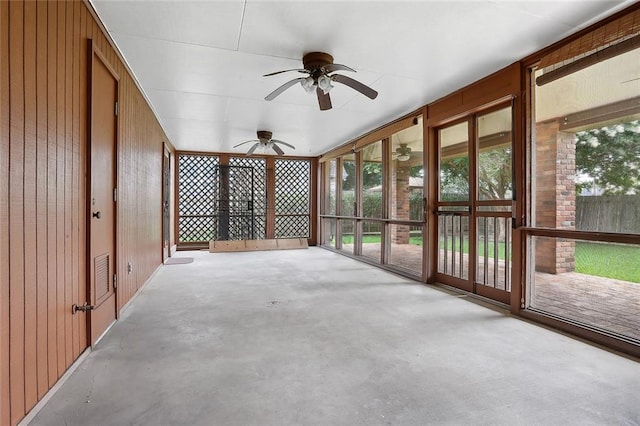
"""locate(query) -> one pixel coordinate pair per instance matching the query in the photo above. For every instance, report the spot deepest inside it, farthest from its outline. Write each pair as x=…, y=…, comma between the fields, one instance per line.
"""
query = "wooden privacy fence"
x=608, y=213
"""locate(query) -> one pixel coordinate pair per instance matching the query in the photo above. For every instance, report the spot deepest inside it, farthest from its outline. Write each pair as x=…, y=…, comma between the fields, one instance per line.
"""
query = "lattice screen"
x=293, y=198
x=260, y=191
x=196, y=197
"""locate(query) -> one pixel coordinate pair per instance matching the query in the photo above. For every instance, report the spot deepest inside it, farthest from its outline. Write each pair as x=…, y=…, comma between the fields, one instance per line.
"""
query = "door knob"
x=97, y=215
x=81, y=308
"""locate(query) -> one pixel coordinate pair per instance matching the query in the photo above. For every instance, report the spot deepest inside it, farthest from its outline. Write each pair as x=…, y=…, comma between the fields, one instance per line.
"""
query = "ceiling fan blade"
x=283, y=143
x=280, y=72
x=277, y=149
x=337, y=67
x=356, y=85
x=242, y=143
x=323, y=100
x=271, y=96
x=253, y=148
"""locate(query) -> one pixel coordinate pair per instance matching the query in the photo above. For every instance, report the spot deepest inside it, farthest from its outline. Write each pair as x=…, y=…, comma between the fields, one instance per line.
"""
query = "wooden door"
x=102, y=197
x=166, y=191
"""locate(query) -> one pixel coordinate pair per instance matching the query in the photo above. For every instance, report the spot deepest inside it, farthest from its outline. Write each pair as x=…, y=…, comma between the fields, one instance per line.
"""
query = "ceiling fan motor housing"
x=316, y=60
x=264, y=135
x=403, y=149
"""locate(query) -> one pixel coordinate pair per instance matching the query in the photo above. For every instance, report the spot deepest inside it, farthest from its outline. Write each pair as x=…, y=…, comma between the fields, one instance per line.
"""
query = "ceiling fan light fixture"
x=403, y=157
x=309, y=84
x=324, y=83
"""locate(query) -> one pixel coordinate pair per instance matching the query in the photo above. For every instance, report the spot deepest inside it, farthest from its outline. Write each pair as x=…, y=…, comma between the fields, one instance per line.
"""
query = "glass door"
x=474, y=203
x=493, y=204
x=454, y=206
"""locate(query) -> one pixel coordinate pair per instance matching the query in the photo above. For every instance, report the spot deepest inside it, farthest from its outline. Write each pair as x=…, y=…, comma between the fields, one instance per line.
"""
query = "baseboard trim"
x=47, y=396
x=36, y=409
x=126, y=305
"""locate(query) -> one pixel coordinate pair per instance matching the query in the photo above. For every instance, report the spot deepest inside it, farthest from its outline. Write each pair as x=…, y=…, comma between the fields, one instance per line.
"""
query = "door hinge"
x=115, y=195
x=115, y=108
x=115, y=281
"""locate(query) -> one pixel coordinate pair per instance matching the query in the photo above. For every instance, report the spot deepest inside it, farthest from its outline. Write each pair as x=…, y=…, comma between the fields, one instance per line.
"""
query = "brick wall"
x=555, y=196
x=400, y=201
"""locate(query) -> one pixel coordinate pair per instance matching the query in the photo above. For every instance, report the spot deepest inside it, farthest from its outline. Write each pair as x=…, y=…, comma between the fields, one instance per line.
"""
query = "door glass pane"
x=494, y=155
x=454, y=162
x=372, y=172
x=407, y=173
x=348, y=195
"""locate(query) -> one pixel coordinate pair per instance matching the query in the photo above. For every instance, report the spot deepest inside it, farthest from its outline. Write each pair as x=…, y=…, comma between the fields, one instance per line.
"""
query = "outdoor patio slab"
x=311, y=337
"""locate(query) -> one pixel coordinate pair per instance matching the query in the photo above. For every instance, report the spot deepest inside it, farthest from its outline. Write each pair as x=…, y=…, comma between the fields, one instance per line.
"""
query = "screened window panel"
x=197, y=195
x=293, y=198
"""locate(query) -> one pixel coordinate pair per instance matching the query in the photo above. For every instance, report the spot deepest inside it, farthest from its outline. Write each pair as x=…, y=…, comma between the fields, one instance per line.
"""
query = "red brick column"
x=400, y=192
x=555, y=195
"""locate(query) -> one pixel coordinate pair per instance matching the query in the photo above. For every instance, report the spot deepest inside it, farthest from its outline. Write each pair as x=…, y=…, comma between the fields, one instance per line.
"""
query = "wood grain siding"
x=44, y=92
x=490, y=90
x=41, y=196
x=5, y=410
x=52, y=156
x=16, y=210
x=140, y=192
x=29, y=206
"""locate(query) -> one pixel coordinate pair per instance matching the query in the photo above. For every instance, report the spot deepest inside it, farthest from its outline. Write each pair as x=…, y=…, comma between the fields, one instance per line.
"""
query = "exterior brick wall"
x=555, y=196
x=400, y=192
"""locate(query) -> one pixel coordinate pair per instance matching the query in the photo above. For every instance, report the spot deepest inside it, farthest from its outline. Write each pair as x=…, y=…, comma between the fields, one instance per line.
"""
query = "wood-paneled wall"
x=43, y=137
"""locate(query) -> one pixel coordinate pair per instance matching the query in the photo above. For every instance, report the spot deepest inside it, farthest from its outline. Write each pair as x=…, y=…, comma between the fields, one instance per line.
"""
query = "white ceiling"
x=200, y=63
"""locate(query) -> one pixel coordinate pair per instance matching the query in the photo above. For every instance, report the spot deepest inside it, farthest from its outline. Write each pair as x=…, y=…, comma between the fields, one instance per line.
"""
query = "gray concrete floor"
x=310, y=337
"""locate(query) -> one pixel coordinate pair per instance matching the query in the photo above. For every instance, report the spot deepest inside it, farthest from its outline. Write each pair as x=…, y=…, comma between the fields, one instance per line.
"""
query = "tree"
x=348, y=175
x=494, y=175
x=454, y=178
x=416, y=171
x=371, y=176
x=609, y=157
x=494, y=178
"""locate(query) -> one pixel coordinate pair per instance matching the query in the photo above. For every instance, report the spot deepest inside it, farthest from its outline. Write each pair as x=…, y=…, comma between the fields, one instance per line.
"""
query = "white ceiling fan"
x=266, y=142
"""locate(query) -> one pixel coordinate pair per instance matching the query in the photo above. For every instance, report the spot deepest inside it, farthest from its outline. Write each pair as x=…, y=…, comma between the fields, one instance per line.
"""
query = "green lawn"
x=615, y=261
x=490, y=249
x=375, y=239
